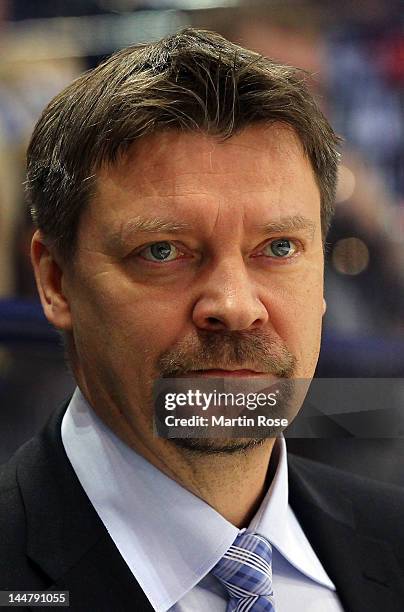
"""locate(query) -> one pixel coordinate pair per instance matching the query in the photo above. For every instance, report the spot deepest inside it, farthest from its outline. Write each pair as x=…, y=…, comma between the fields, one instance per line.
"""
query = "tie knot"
x=246, y=572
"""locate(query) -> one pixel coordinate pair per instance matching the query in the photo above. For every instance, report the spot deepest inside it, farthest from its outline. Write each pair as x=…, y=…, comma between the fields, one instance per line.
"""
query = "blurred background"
x=354, y=52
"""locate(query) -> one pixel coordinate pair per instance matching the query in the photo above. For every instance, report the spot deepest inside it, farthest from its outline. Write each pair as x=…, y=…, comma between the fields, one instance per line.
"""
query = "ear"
x=324, y=306
x=49, y=279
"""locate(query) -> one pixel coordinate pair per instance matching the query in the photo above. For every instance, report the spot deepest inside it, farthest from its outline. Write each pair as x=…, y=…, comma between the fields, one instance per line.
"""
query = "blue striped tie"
x=245, y=570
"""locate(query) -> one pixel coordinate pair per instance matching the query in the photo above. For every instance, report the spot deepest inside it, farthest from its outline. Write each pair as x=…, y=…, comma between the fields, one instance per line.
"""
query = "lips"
x=226, y=373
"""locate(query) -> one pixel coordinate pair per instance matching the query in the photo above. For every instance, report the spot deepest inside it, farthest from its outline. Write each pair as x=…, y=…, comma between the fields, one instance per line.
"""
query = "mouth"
x=219, y=373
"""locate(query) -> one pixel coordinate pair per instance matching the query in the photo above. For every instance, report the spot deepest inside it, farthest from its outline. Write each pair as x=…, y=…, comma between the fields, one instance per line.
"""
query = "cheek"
x=309, y=333
x=129, y=326
x=296, y=315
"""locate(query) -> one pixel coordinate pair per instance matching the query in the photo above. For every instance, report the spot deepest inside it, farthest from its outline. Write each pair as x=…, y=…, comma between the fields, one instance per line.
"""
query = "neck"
x=234, y=484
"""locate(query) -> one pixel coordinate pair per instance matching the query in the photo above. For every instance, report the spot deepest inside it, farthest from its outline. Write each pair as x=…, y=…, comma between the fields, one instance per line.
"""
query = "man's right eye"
x=159, y=252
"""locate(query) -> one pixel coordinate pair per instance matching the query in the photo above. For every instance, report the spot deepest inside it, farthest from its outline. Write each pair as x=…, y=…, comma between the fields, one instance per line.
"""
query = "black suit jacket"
x=51, y=536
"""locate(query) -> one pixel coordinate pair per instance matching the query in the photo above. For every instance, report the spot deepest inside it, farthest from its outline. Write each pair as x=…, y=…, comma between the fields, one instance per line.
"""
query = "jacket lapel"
x=364, y=569
x=65, y=537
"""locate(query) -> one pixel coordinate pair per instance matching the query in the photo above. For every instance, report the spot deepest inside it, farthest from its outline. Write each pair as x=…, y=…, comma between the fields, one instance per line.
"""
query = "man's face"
x=197, y=254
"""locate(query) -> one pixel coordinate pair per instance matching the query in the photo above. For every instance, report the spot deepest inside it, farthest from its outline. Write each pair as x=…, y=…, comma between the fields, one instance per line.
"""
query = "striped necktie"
x=245, y=570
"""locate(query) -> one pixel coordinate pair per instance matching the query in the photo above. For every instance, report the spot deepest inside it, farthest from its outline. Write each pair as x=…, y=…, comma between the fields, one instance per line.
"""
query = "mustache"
x=253, y=350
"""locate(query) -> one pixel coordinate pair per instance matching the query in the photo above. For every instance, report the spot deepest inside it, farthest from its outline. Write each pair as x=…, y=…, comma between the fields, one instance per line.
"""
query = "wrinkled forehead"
x=184, y=162
x=161, y=152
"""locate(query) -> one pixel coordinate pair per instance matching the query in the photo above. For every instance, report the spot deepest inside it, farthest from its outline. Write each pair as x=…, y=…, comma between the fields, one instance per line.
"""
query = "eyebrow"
x=140, y=225
x=288, y=224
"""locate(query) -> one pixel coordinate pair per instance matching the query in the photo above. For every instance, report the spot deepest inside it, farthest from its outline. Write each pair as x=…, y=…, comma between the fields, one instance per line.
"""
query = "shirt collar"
x=276, y=521
x=169, y=538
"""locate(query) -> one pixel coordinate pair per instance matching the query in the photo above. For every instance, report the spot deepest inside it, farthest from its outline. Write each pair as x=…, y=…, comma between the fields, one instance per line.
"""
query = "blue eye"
x=159, y=251
x=281, y=247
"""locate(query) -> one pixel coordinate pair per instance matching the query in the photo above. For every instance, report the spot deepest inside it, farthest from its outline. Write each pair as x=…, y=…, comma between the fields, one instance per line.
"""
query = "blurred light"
x=350, y=256
x=131, y=5
x=59, y=37
x=345, y=184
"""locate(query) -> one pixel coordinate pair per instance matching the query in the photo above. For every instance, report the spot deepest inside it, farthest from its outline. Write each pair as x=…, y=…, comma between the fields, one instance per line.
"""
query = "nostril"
x=213, y=321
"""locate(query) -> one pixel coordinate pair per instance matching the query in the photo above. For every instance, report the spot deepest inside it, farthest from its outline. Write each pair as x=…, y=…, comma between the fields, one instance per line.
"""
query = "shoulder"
x=11, y=505
x=376, y=504
x=13, y=536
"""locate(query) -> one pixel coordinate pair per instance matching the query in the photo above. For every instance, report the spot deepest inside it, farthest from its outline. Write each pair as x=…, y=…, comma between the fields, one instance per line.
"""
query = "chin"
x=216, y=446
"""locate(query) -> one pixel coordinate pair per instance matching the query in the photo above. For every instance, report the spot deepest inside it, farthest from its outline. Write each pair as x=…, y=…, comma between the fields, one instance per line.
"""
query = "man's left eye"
x=160, y=251
x=280, y=248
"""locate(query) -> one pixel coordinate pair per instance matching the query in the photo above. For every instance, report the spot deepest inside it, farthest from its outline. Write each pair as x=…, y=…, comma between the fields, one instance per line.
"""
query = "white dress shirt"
x=171, y=539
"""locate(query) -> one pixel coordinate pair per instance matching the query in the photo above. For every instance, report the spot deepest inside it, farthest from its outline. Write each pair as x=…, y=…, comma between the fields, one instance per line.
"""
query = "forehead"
x=191, y=174
x=168, y=155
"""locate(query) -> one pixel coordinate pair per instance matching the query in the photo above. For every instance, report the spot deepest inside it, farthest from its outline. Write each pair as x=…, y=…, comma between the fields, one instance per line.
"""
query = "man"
x=182, y=192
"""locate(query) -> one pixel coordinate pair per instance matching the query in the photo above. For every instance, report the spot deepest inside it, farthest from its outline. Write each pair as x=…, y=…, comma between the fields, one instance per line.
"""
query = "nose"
x=229, y=299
